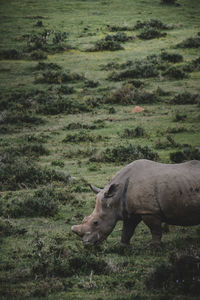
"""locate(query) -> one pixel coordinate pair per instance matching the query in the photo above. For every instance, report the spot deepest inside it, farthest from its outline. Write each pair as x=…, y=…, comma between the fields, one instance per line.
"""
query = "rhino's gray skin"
x=148, y=191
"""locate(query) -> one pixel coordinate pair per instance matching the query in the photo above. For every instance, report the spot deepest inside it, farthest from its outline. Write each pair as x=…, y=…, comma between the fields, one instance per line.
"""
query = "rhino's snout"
x=76, y=229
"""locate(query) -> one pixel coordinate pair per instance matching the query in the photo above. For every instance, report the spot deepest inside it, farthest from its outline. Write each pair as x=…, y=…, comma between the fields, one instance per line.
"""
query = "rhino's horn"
x=94, y=189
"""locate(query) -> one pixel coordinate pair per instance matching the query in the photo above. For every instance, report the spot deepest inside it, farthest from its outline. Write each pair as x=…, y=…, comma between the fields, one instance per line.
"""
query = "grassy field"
x=70, y=74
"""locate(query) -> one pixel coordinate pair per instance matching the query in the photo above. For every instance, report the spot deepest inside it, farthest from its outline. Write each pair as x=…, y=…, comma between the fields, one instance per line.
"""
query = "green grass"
x=37, y=251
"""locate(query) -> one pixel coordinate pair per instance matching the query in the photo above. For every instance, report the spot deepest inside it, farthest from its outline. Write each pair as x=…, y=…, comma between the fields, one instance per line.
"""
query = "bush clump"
x=10, y=54
x=126, y=96
x=19, y=117
x=46, y=41
x=43, y=203
x=189, y=153
x=168, y=143
x=96, y=125
x=194, y=65
x=179, y=117
x=58, y=77
x=27, y=149
x=132, y=133
x=185, y=98
x=17, y=173
x=171, y=57
x=106, y=45
x=7, y=228
x=139, y=69
x=82, y=136
x=118, y=37
x=62, y=105
x=38, y=55
x=150, y=33
x=56, y=259
x=181, y=274
x=46, y=66
x=174, y=72
x=126, y=154
x=154, y=23
x=193, y=42
x=114, y=28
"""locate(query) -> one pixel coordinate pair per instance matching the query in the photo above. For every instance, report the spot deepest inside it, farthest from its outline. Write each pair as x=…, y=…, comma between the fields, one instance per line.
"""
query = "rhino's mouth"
x=93, y=239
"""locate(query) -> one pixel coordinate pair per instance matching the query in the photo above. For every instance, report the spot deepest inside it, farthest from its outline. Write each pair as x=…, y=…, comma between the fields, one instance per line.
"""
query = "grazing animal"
x=145, y=191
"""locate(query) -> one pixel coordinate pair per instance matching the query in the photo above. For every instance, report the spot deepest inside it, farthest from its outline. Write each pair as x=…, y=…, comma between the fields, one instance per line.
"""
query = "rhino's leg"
x=129, y=226
x=154, y=224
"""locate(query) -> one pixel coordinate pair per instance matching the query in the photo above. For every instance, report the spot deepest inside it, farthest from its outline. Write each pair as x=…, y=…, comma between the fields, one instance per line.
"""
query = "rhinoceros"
x=145, y=191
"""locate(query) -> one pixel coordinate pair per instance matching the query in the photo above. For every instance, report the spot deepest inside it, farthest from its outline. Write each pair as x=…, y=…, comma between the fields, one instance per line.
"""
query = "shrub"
x=106, y=45
x=131, y=133
x=168, y=143
x=46, y=66
x=16, y=173
x=7, y=228
x=18, y=117
x=91, y=83
x=126, y=154
x=82, y=136
x=193, y=42
x=97, y=124
x=42, y=203
x=185, y=98
x=154, y=23
x=119, y=28
x=58, y=163
x=176, y=129
x=118, y=37
x=180, y=274
x=25, y=149
x=179, y=117
x=171, y=57
x=66, y=90
x=58, y=77
x=38, y=55
x=10, y=54
x=93, y=102
x=123, y=95
x=139, y=69
x=63, y=105
x=47, y=41
x=137, y=83
x=194, y=65
x=151, y=33
x=189, y=153
x=126, y=96
x=55, y=259
x=175, y=73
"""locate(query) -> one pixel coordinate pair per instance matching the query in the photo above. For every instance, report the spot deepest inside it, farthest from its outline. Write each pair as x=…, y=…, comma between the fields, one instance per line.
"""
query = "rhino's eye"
x=95, y=223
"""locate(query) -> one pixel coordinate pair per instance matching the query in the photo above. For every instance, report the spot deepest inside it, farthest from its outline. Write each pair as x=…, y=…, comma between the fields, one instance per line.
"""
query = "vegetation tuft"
x=185, y=98
x=189, y=153
x=126, y=96
x=132, y=133
x=127, y=153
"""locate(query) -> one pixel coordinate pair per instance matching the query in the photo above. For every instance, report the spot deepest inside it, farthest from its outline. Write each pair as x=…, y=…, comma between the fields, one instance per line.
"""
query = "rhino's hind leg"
x=154, y=224
x=129, y=225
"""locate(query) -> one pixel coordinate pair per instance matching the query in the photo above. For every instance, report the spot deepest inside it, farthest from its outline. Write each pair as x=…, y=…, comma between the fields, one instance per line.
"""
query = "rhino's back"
x=171, y=190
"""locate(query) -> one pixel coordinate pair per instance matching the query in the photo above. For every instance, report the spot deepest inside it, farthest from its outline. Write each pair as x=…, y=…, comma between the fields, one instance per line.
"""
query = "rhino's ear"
x=94, y=189
x=113, y=190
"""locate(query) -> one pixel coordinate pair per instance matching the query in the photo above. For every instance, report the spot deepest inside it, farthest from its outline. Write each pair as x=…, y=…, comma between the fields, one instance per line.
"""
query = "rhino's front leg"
x=154, y=224
x=129, y=225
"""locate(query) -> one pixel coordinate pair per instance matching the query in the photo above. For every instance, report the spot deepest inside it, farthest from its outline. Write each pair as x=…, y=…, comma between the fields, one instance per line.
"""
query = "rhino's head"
x=97, y=226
